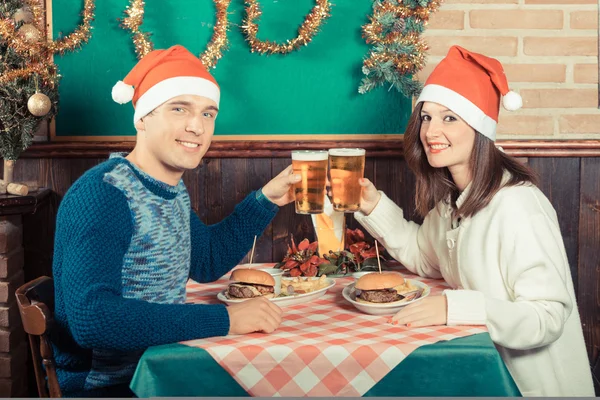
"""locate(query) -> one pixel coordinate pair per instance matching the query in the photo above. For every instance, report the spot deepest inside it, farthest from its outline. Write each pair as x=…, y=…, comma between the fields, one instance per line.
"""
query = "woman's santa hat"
x=162, y=75
x=470, y=85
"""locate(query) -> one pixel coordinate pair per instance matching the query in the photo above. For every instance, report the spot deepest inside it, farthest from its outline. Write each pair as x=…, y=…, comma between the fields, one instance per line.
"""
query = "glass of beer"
x=311, y=165
x=346, y=167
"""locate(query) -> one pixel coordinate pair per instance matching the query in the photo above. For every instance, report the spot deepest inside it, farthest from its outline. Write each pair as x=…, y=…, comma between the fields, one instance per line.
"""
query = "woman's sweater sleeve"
x=404, y=240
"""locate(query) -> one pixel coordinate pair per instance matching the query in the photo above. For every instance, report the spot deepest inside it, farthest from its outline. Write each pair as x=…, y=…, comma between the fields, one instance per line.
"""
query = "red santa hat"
x=471, y=85
x=162, y=75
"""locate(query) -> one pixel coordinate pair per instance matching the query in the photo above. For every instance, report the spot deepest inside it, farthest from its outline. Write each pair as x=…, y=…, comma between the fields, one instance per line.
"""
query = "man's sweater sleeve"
x=404, y=240
x=95, y=227
x=217, y=248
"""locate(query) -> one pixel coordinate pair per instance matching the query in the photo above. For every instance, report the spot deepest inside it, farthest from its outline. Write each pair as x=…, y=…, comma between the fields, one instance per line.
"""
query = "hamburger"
x=386, y=287
x=249, y=283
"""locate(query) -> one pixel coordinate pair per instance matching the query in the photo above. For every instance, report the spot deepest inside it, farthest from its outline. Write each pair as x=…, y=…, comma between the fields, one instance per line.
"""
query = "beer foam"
x=347, y=152
x=307, y=155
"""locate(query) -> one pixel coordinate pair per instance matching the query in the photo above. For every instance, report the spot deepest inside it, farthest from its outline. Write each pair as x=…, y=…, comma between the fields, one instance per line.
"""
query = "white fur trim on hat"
x=122, y=93
x=173, y=87
x=462, y=106
x=512, y=101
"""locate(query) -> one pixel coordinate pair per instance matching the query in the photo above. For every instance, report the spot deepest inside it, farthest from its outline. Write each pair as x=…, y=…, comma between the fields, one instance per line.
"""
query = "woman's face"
x=447, y=139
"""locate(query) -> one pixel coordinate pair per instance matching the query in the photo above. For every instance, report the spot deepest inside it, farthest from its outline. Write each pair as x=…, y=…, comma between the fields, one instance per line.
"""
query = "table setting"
x=326, y=346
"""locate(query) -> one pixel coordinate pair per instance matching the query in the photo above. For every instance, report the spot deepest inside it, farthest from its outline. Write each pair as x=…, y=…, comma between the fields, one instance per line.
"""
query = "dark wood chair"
x=36, y=304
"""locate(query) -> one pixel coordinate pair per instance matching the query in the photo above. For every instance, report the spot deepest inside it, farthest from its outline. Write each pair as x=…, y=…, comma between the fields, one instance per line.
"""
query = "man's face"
x=177, y=134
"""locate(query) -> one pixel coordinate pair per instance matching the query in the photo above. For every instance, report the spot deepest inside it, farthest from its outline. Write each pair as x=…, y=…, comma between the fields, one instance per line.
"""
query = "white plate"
x=287, y=300
x=382, y=309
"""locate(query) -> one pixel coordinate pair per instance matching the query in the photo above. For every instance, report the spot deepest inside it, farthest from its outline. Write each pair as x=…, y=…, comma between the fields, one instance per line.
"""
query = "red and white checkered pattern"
x=325, y=348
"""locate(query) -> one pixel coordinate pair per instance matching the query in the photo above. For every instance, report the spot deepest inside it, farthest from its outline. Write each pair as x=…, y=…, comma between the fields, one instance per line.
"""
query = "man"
x=127, y=239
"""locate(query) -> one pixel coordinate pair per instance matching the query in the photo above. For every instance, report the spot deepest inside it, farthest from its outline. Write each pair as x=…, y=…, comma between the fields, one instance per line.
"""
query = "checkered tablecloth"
x=325, y=348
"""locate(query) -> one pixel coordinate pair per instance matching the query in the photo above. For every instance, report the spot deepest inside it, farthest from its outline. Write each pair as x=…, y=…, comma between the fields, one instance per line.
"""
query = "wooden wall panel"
x=215, y=203
x=589, y=255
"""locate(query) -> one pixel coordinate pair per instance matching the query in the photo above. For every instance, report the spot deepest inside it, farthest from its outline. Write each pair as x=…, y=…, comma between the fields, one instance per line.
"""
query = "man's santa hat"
x=470, y=85
x=162, y=75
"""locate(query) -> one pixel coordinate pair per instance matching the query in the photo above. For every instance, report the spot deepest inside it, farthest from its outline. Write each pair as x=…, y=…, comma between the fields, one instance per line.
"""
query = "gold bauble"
x=23, y=15
x=30, y=33
x=39, y=104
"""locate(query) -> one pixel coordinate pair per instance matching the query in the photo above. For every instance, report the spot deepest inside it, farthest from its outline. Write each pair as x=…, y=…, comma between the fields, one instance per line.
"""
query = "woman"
x=488, y=231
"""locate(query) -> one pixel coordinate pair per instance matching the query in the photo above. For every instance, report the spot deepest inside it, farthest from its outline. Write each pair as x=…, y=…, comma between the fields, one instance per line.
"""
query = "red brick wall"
x=550, y=52
x=13, y=344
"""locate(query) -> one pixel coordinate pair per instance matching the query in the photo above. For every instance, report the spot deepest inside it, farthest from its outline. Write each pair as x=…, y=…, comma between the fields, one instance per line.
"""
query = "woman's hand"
x=369, y=196
x=432, y=310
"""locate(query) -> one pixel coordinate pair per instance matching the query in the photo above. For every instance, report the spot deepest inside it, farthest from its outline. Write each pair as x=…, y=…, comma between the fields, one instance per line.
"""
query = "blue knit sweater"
x=125, y=246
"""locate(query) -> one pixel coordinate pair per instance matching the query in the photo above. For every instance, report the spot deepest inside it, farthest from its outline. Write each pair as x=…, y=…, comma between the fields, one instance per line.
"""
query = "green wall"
x=311, y=91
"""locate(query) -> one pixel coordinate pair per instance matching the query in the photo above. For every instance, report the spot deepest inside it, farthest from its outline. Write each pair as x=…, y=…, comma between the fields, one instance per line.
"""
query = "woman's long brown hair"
x=435, y=184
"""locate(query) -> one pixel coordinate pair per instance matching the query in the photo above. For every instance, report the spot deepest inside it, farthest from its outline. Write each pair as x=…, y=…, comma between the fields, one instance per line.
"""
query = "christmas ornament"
x=143, y=45
x=306, y=32
x=23, y=15
x=25, y=47
x=398, y=52
x=30, y=33
x=39, y=104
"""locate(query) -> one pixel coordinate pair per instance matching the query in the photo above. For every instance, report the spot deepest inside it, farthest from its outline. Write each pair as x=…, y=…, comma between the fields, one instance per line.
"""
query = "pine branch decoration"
x=398, y=51
x=23, y=75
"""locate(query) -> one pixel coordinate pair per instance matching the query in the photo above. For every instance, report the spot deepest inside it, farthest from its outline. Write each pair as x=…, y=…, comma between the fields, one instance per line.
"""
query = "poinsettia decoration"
x=358, y=246
x=302, y=260
x=358, y=255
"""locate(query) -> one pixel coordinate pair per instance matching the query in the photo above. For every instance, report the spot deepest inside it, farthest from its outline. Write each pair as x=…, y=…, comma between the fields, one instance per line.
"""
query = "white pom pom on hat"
x=512, y=101
x=122, y=93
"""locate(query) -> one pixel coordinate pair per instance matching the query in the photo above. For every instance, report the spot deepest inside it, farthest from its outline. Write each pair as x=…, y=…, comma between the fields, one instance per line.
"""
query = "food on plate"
x=301, y=285
x=386, y=287
x=249, y=283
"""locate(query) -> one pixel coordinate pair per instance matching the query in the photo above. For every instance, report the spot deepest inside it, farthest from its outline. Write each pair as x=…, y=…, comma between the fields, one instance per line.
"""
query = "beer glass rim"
x=346, y=151
x=309, y=155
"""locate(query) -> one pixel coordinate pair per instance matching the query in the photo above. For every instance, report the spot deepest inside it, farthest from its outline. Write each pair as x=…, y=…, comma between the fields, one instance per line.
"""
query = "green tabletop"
x=468, y=366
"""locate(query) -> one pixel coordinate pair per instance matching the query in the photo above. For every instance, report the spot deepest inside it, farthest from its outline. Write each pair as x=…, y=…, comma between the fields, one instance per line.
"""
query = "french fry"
x=301, y=285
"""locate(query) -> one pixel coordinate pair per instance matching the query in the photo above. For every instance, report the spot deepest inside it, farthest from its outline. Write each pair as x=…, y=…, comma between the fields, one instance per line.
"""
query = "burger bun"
x=252, y=276
x=379, y=281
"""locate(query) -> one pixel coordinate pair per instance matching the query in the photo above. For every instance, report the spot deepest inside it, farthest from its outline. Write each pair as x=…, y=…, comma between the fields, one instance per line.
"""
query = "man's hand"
x=369, y=196
x=254, y=315
x=432, y=310
x=279, y=189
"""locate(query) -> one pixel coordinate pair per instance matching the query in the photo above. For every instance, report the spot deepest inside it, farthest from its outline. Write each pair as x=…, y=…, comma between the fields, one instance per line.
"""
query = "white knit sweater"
x=508, y=270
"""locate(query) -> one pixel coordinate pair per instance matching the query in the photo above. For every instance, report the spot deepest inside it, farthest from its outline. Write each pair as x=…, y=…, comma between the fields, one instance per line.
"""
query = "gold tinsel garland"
x=404, y=63
x=45, y=72
x=306, y=32
x=143, y=45
x=40, y=52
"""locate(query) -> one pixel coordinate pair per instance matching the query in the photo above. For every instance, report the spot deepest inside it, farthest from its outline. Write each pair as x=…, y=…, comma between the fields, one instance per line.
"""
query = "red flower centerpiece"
x=359, y=255
x=302, y=260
